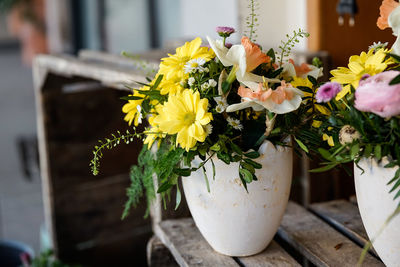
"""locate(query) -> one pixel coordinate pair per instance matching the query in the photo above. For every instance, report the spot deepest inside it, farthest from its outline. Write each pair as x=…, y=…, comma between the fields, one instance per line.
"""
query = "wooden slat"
x=158, y=254
x=273, y=256
x=345, y=217
x=188, y=246
x=319, y=242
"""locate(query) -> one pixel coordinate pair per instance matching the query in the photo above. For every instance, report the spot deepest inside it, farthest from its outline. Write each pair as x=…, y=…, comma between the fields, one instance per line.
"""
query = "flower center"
x=189, y=118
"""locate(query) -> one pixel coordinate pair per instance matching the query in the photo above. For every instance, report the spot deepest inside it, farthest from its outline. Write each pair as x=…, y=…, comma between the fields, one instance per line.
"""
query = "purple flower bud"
x=224, y=31
x=327, y=92
x=228, y=45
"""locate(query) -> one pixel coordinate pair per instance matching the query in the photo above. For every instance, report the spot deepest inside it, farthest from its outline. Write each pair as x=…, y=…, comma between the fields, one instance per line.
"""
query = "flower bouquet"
x=363, y=126
x=224, y=117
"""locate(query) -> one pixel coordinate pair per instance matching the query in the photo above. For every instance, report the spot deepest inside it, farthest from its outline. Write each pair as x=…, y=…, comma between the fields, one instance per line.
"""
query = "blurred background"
x=32, y=27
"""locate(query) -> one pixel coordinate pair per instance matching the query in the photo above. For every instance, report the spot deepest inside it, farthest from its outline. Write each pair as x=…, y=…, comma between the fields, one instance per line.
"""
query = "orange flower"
x=254, y=55
x=277, y=96
x=386, y=8
x=302, y=69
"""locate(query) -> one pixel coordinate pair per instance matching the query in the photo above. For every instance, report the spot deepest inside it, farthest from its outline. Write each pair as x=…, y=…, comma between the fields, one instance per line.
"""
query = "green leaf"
x=378, y=152
x=395, y=57
x=216, y=147
x=271, y=54
x=226, y=87
x=131, y=98
x=206, y=179
x=236, y=148
x=396, y=80
x=247, y=175
x=248, y=167
x=367, y=150
x=252, y=154
x=178, y=198
x=224, y=157
x=325, y=154
x=301, y=145
x=253, y=163
x=213, y=168
x=164, y=187
x=396, y=176
x=325, y=168
x=305, y=89
x=396, y=185
x=157, y=82
x=312, y=80
x=183, y=172
x=354, y=150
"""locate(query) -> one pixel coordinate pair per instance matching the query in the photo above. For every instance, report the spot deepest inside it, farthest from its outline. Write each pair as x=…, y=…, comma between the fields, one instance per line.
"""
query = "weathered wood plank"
x=345, y=217
x=273, y=256
x=188, y=246
x=70, y=66
x=319, y=242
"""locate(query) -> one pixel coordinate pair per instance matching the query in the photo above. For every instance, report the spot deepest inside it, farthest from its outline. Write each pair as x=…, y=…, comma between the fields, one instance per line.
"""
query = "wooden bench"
x=325, y=234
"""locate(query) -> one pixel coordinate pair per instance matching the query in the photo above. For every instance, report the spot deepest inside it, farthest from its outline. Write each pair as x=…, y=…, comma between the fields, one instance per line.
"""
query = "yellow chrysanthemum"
x=298, y=81
x=366, y=63
x=174, y=64
x=171, y=86
x=154, y=132
x=328, y=139
x=131, y=108
x=186, y=115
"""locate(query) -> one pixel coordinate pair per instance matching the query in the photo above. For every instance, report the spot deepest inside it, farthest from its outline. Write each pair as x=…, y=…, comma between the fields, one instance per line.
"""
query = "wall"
x=276, y=19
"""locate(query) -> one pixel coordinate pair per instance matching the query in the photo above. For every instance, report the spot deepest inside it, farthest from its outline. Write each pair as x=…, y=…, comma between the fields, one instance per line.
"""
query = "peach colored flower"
x=254, y=55
x=385, y=9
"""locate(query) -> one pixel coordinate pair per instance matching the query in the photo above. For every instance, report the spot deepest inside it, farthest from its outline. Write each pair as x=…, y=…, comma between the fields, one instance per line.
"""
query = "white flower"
x=220, y=108
x=212, y=83
x=208, y=129
x=220, y=101
x=194, y=65
x=139, y=112
x=205, y=86
x=206, y=69
x=191, y=81
x=235, y=123
x=378, y=45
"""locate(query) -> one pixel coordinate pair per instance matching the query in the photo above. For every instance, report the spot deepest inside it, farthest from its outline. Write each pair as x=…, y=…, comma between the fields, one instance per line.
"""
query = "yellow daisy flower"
x=297, y=82
x=186, y=115
x=366, y=63
x=154, y=132
x=171, y=86
x=328, y=139
x=131, y=108
x=174, y=64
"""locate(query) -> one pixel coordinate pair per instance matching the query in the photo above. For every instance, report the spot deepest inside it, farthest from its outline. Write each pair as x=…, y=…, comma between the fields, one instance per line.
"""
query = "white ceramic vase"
x=234, y=222
x=376, y=205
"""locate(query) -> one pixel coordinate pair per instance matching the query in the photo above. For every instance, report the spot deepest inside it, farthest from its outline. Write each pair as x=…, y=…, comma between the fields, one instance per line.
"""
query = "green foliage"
x=252, y=20
x=286, y=47
x=47, y=259
x=378, y=138
x=109, y=143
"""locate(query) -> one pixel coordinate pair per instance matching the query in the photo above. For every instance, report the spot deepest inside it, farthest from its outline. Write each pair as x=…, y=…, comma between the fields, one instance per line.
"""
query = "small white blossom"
x=212, y=83
x=220, y=101
x=375, y=46
x=208, y=129
x=191, y=81
x=194, y=65
x=235, y=123
x=205, y=86
x=139, y=113
x=220, y=108
x=206, y=69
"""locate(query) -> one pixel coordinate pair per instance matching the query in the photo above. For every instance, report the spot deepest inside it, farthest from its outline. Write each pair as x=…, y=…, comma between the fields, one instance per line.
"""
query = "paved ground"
x=21, y=211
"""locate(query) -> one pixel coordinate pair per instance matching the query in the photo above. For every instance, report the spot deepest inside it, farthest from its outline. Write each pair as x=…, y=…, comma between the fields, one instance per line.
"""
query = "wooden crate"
x=78, y=103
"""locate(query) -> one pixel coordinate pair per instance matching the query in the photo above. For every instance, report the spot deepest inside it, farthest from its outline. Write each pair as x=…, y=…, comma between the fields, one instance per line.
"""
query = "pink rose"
x=375, y=95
